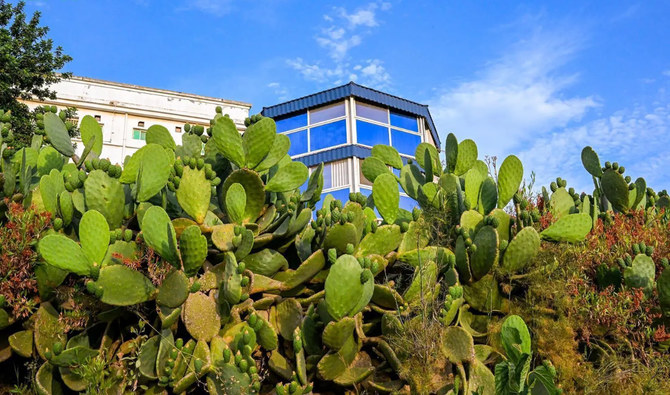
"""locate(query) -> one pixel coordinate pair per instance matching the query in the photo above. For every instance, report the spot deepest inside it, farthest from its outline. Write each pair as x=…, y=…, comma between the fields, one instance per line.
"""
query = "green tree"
x=28, y=66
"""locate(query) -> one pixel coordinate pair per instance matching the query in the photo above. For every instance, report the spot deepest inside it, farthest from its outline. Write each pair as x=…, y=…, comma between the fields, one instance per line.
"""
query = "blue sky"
x=539, y=81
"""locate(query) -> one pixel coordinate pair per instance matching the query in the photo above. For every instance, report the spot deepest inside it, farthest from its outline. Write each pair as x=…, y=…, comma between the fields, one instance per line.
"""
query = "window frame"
x=142, y=131
x=311, y=125
x=387, y=125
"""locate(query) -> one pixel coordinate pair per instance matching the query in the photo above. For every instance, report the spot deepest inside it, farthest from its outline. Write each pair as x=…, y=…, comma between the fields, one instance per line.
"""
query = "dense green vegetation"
x=184, y=272
x=29, y=64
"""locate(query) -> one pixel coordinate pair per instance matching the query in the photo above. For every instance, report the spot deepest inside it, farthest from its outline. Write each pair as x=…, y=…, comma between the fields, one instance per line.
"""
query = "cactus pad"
x=64, y=253
x=387, y=197
x=94, y=236
x=591, y=162
x=57, y=133
x=91, y=129
x=194, y=193
x=571, y=228
x=105, y=194
x=344, y=289
x=253, y=186
x=257, y=141
x=160, y=235
x=288, y=177
x=200, y=317
x=457, y=345
x=123, y=286
x=486, y=254
x=467, y=156
x=388, y=155
x=153, y=173
x=193, y=249
x=509, y=179
x=158, y=134
x=616, y=189
x=521, y=250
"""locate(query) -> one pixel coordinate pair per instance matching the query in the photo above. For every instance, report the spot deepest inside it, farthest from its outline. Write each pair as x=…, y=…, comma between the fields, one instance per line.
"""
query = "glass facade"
x=329, y=130
x=328, y=135
x=293, y=122
x=371, y=134
x=326, y=113
x=298, y=142
x=404, y=121
x=377, y=125
x=371, y=112
x=404, y=142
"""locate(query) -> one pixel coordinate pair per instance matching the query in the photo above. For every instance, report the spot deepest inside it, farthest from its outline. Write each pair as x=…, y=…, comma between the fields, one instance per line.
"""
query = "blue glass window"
x=291, y=123
x=328, y=135
x=371, y=134
x=325, y=113
x=404, y=121
x=371, y=112
x=327, y=176
x=407, y=203
x=298, y=142
x=404, y=142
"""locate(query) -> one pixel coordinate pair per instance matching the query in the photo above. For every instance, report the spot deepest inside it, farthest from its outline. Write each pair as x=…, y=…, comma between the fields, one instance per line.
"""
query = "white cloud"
x=212, y=7
x=666, y=73
x=519, y=105
x=344, y=32
x=516, y=98
x=637, y=139
x=316, y=72
x=279, y=90
x=362, y=17
x=372, y=73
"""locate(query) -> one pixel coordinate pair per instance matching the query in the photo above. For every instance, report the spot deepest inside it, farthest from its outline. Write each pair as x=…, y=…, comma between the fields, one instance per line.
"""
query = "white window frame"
x=310, y=126
x=387, y=125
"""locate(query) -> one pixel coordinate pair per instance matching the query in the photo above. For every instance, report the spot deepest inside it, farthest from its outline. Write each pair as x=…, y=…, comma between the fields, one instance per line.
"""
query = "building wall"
x=122, y=108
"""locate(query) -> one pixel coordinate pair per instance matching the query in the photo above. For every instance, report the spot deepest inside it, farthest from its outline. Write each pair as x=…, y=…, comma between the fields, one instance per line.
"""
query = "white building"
x=127, y=111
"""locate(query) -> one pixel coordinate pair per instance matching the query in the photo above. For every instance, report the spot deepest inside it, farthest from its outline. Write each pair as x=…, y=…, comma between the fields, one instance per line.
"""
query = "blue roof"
x=338, y=153
x=353, y=89
x=334, y=154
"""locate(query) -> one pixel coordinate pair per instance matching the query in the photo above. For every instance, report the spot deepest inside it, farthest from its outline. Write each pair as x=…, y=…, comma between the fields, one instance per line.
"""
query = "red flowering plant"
x=18, y=258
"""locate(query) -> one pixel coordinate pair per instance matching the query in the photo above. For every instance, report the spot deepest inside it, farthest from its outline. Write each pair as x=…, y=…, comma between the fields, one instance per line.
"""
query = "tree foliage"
x=28, y=66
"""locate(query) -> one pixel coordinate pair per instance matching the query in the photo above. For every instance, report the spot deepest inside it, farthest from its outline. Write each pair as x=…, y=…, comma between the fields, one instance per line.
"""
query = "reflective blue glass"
x=371, y=112
x=407, y=203
x=291, y=123
x=404, y=121
x=325, y=113
x=328, y=135
x=298, y=142
x=371, y=134
x=404, y=142
x=327, y=176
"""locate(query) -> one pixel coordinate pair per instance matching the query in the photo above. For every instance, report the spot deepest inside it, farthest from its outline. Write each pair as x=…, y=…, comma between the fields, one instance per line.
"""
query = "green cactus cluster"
x=204, y=267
